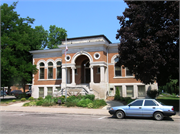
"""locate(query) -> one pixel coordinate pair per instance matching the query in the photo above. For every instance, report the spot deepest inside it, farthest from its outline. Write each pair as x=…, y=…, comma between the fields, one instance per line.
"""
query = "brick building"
x=89, y=67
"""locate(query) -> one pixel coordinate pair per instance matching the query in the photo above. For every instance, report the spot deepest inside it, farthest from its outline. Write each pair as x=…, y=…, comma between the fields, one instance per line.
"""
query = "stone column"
x=63, y=75
x=92, y=74
x=102, y=74
x=73, y=75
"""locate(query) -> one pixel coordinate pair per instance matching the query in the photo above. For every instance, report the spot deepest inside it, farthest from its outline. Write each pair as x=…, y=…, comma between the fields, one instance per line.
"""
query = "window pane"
x=58, y=88
x=141, y=91
x=58, y=63
x=50, y=73
x=116, y=59
x=58, y=72
x=41, y=64
x=50, y=64
x=50, y=91
x=117, y=71
x=41, y=73
x=129, y=91
x=137, y=103
x=128, y=72
x=41, y=91
x=149, y=103
x=120, y=89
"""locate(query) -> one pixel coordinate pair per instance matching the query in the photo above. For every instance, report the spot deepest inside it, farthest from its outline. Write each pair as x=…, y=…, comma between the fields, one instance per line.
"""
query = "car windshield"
x=160, y=102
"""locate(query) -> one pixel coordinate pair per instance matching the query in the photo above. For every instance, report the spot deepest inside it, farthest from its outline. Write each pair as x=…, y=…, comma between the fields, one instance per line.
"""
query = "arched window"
x=41, y=70
x=50, y=70
x=117, y=67
x=59, y=71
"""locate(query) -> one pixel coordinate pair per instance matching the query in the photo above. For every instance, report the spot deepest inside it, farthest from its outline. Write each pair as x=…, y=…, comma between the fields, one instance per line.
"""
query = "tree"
x=149, y=40
x=16, y=42
x=56, y=35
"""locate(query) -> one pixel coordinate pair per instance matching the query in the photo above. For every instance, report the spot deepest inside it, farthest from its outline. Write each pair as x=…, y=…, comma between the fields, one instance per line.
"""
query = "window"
x=96, y=56
x=41, y=71
x=50, y=70
x=129, y=91
x=68, y=58
x=59, y=71
x=141, y=91
x=117, y=67
x=58, y=88
x=41, y=91
x=128, y=72
x=120, y=90
x=50, y=91
x=76, y=71
x=149, y=103
x=137, y=103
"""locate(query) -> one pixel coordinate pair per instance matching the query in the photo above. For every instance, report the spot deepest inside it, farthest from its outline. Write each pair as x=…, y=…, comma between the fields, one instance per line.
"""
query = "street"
x=42, y=123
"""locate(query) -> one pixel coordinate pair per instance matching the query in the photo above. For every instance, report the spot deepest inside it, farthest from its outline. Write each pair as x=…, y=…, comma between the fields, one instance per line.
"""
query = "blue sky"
x=78, y=17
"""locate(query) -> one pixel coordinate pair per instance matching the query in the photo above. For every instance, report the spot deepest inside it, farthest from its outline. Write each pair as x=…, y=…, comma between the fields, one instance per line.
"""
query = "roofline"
x=93, y=36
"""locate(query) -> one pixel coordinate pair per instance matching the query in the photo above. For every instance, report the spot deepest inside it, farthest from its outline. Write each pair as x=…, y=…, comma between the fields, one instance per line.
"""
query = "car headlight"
x=111, y=108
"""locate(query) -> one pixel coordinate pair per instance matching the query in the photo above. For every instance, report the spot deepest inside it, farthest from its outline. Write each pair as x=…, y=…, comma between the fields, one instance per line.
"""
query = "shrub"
x=26, y=104
x=71, y=98
x=13, y=100
x=117, y=94
x=129, y=101
x=90, y=96
x=23, y=99
x=31, y=98
x=32, y=103
x=48, y=102
x=126, y=99
x=152, y=93
x=98, y=103
x=70, y=104
x=40, y=98
x=39, y=103
x=84, y=102
x=90, y=105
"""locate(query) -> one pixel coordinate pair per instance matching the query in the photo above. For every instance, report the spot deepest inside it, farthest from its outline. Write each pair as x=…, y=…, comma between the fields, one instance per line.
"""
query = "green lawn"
x=9, y=100
x=169, y=100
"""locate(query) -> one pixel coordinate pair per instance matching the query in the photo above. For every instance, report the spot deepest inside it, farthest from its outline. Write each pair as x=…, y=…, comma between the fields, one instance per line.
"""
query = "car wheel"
x=158, y=116
x=120, y=114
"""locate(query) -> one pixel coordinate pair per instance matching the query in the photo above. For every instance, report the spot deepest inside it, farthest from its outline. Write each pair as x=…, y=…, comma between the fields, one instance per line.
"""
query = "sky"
x=78, y=17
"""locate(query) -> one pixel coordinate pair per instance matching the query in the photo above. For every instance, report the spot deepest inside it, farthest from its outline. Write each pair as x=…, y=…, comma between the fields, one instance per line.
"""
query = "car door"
x=135, y=108
x=148, y=108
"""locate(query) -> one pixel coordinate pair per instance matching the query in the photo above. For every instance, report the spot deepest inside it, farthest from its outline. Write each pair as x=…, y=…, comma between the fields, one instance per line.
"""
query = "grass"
x=9, y=100
x=168, y=99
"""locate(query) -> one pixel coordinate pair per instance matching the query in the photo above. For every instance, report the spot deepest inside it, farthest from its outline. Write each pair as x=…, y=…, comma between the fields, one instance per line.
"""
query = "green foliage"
x=70, y=104
x=98, y=103
x=170, y=87
x=31, y=98
x=129, y=101
x=39, y=103
x=40, y=98
x=56, y=35
x=32, y=103
x=90, y=105
x=48, y=97
x=152, y=93
x=90, y=96
x=23, y=99
x=26, y=104
x=117, y=94
x=48, y=102
x=84, y=102
x=13, y=100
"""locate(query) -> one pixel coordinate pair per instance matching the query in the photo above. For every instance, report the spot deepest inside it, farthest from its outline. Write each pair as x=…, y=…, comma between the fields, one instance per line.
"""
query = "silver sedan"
x=143, y=108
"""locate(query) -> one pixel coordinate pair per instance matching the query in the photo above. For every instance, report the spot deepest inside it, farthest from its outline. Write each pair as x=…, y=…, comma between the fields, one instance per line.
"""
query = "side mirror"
x=129, y=105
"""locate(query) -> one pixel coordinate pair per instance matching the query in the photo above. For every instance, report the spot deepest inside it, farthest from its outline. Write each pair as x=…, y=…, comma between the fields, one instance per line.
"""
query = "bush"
x=71, y=98
x=70, y=104
x=98, y=103
x=129, y=101
x=31, y=98
x=32, y=103
x=152, y=93
x=48, y=97
x=40, y=98
x=26, y=104
x=90, y=96
x=48, y=102
x=90, y=105
x=84, y=102
x=126, y=99
x=39, y=103
x=23, y=99
x=13, y=100
x=117, y=94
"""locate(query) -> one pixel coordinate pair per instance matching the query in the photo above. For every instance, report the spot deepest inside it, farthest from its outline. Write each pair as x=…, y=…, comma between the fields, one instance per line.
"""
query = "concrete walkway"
x=18, y=107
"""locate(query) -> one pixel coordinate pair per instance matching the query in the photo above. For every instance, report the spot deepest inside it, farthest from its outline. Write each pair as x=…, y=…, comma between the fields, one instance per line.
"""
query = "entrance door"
x=87, y=75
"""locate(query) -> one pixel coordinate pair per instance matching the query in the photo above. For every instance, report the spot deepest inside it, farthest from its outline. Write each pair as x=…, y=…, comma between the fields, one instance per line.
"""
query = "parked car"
x=16, y=92
x=143, y=108
x=29, y=93
x=3, y=93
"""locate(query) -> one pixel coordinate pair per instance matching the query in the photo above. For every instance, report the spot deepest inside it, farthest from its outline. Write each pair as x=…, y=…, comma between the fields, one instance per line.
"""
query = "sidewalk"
x=78, y=110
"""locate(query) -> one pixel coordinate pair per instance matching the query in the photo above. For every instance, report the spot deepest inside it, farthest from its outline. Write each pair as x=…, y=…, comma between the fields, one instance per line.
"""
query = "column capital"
x=73, y=67
x=91, y=66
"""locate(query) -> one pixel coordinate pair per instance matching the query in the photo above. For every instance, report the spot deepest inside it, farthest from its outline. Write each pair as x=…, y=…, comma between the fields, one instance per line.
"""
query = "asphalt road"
x=41, y=123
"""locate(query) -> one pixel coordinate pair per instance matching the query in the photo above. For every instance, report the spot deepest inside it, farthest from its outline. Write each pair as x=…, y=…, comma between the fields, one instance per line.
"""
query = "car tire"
x=158, y=116
x=120, y=114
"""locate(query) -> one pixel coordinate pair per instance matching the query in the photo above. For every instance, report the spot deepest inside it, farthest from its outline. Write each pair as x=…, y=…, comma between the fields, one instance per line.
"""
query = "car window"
x=137, y=103
x=149, y=103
